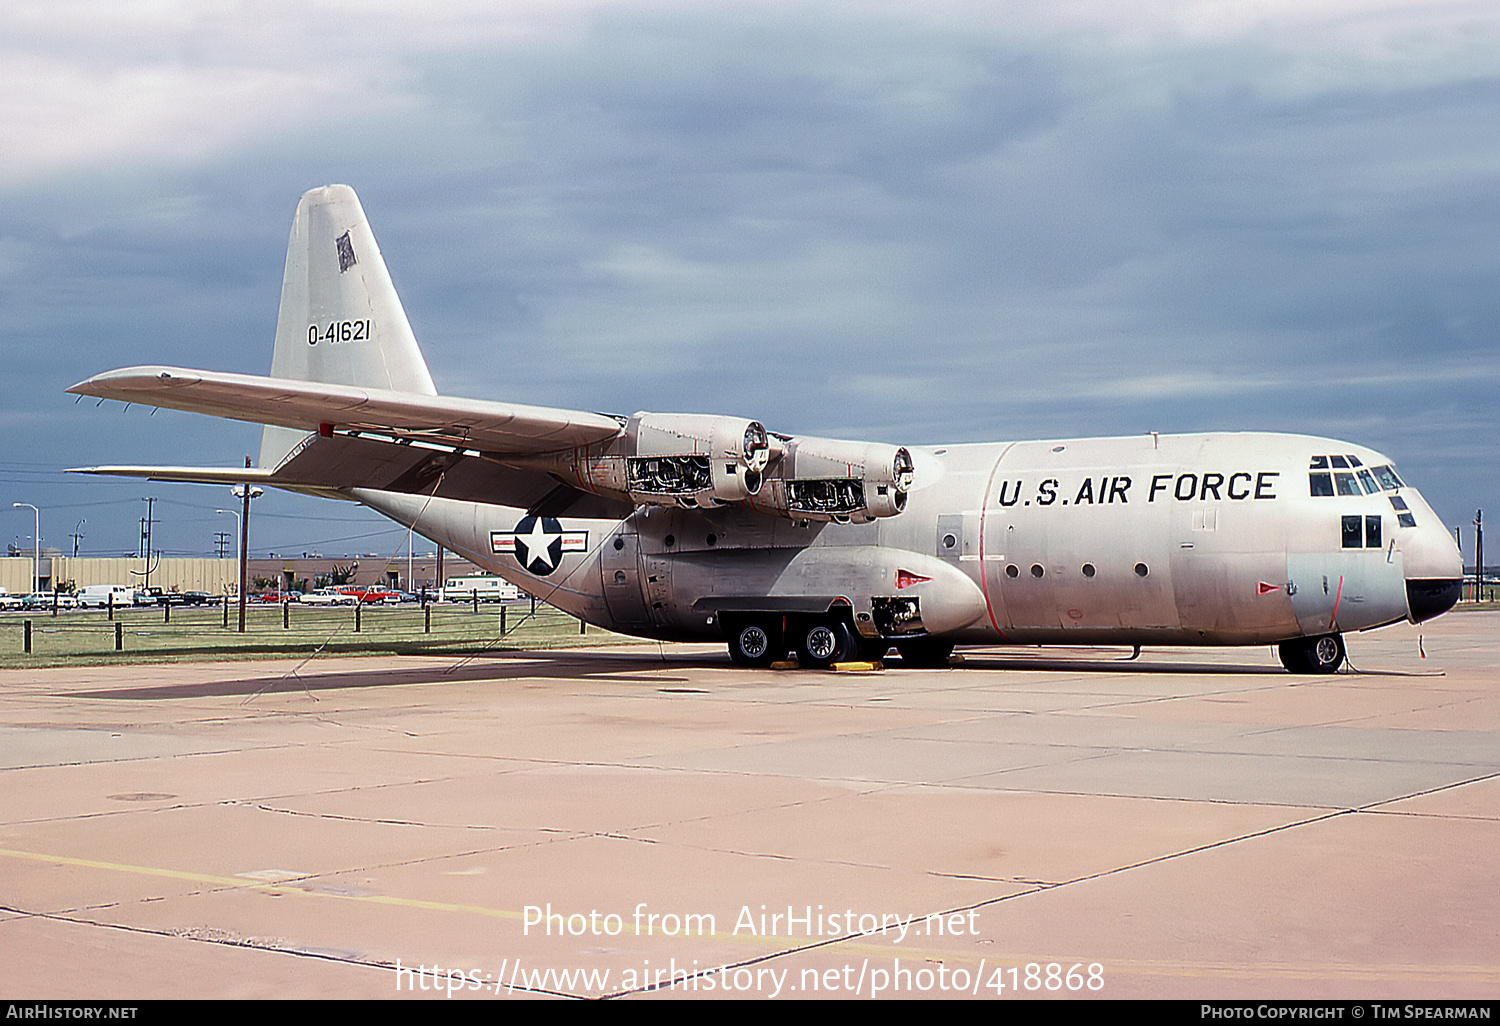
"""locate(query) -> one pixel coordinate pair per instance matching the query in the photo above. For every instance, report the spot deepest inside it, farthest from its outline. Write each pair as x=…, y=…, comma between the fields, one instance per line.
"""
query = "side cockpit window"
x=1361, y=532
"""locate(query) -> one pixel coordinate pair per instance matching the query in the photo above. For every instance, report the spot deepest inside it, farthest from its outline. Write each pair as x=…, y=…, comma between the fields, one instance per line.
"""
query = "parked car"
x=276, y=597
x=179, y=598
x=372, y=594
x=329, y=597
x=49, y=600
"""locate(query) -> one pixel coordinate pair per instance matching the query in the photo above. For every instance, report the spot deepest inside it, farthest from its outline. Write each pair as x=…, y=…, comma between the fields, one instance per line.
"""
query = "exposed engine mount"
x=666, y=459
x=847, y=482
x=697, y=461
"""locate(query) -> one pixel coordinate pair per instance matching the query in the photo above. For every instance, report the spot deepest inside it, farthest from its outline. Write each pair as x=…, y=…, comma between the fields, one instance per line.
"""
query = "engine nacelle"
x=846, y=482
x=667, y=459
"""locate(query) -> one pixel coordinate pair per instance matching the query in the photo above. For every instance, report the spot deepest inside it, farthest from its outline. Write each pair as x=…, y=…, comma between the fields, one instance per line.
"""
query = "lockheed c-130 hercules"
x=689, y=526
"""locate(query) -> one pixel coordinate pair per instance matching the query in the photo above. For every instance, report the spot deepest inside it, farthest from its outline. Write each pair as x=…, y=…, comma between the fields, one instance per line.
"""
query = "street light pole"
x=239, y=558
x=245, y=493
x=36, y=543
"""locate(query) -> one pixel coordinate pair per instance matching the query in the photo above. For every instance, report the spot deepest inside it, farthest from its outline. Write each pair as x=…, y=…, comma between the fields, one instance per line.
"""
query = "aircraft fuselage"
x=1213, y=539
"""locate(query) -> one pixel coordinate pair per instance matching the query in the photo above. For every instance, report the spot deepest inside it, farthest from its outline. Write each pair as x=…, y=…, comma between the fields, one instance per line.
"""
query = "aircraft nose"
x=1428, y=598
x=1434, y=568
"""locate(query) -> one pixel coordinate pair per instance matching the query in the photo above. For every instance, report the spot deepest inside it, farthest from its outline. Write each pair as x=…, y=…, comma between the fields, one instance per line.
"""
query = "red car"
x=373, y=594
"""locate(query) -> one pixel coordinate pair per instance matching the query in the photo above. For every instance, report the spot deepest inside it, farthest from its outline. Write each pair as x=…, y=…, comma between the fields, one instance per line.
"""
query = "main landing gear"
x=757, y=643
x=819, y=642
x=1322, y=654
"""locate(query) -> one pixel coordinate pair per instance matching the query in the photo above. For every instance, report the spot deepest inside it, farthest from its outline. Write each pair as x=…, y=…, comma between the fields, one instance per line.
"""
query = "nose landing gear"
x=1323, y=654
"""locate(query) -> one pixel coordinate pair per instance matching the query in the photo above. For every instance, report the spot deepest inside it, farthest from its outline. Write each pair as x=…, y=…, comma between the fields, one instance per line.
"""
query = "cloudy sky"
x=913, y=223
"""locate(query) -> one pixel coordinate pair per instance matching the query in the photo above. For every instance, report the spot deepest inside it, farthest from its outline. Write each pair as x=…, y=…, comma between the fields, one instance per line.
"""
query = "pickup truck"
x=177, y=598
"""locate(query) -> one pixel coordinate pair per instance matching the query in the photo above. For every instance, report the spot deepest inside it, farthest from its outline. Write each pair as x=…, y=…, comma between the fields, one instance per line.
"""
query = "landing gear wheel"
x=925, y=653
x=756, y=644
x=824, y=644
x=1323, y=654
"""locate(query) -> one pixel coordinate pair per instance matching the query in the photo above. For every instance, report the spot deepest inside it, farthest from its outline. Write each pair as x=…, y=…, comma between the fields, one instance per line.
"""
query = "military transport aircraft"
x=690, y=526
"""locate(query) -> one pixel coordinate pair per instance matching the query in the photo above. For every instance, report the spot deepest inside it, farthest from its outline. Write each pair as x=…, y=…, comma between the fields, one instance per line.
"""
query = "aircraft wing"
x=421, y=444
x=476, y=424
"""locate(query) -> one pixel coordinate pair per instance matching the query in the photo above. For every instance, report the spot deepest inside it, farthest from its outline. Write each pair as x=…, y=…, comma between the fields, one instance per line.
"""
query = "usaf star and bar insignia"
x=538, y=543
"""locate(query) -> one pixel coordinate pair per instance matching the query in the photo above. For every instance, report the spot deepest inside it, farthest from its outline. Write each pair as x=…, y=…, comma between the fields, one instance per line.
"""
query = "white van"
x=490, y=589
x=97, y=596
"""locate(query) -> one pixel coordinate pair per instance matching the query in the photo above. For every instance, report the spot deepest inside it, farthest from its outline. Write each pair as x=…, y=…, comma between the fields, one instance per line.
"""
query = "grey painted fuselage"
x=1175, y=539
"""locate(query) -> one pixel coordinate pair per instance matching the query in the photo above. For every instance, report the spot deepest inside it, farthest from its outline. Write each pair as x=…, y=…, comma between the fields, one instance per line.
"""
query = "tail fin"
x=341, y=321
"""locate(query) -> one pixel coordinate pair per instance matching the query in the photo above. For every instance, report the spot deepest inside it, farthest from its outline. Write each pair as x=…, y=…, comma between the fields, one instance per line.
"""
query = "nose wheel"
x=1323, y=654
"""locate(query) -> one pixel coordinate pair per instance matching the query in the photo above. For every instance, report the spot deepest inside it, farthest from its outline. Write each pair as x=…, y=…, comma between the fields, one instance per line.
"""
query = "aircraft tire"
x=824, y=643
x=756, y=644
x=1323, y=654
x=925, y=653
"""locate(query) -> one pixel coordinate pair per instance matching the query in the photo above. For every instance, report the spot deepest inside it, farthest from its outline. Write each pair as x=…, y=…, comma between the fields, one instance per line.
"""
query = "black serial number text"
x=339, y=331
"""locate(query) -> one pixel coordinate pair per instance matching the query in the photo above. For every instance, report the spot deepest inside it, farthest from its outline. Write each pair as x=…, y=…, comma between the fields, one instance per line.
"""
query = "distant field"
x=74, y=638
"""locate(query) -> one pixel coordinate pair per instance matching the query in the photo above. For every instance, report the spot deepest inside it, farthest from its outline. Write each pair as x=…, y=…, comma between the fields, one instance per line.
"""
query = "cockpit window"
x=1346, y=475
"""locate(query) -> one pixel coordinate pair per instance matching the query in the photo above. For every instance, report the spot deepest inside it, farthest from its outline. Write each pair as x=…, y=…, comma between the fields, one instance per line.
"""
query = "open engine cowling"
x=846, y=482
x=672, y=459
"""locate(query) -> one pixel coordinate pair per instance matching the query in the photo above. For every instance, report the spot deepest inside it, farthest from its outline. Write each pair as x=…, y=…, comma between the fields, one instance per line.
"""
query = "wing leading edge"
x=490, y=427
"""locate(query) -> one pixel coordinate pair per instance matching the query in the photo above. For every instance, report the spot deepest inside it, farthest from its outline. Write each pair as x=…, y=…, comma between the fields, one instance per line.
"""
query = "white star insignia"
x=537, y=545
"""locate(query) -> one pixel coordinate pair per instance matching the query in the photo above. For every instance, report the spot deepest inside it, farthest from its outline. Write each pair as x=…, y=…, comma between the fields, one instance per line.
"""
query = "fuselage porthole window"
x=1088, y=570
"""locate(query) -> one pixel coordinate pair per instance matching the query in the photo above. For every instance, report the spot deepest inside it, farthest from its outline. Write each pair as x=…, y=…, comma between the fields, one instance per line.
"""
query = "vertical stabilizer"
x=341, y=321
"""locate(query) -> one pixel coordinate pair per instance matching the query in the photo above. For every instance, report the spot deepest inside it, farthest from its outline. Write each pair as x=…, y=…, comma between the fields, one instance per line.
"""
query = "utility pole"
x=1478, y=554
x=146, y=538
x=245, y=493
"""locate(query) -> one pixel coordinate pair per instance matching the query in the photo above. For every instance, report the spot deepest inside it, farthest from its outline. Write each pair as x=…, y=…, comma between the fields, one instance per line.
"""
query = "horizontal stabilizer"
x=187, y=475
x=338, y=465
